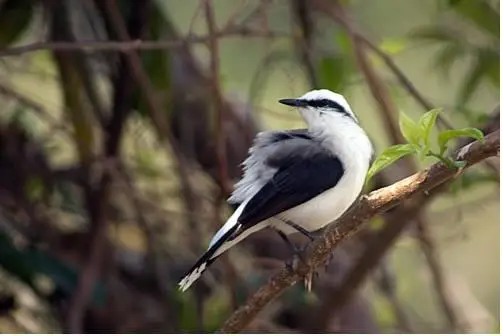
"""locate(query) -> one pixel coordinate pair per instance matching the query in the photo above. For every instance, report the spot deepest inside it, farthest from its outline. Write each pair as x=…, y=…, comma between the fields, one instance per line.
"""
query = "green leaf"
x=459, y=164
x=447, y=135
x=389, y=156
x=409, y=129
x=426, y=122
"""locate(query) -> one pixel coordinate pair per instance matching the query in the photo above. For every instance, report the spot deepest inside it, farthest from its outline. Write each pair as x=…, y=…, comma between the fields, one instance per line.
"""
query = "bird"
x=297, y=180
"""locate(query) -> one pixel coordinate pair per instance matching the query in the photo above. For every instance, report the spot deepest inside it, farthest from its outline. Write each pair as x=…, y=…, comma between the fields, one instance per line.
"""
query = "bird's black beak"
x=293, y=102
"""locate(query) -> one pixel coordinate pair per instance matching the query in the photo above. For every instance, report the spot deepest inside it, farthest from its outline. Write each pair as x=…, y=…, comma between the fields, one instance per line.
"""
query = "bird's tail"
x=204, y=262
x=216, y=247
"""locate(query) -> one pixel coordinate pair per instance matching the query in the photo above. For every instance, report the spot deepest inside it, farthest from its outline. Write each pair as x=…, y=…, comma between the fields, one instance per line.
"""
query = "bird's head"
x=319, y=104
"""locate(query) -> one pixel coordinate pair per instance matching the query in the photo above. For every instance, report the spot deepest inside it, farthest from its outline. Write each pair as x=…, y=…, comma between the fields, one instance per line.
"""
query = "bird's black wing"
x=304, y=170
x=277, y=138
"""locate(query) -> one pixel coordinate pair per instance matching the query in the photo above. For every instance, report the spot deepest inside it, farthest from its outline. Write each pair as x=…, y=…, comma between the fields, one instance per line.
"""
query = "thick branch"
x=365, y=208
x=389, y=113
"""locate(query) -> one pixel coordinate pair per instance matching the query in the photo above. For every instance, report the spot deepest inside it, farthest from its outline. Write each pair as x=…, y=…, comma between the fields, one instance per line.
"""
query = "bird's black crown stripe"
x=325, y=103
x=318, y=103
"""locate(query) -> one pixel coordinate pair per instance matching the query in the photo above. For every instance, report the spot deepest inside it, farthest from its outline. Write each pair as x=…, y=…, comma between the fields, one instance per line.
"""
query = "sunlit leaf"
x=448, y=135
x=393, y=46
x=389, y=156
x=426, y=123
x=409, y=129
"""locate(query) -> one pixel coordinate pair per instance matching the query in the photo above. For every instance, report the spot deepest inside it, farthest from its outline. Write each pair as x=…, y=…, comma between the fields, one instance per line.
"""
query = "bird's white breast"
x=328, y=206
x=353, y=148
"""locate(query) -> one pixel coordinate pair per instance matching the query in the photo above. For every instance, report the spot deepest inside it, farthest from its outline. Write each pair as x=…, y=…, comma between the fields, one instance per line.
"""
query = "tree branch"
x=214, y=82
x=389, y=113
x=365, y=208
x=137, y=44
x=376, y=249
x=97, y=196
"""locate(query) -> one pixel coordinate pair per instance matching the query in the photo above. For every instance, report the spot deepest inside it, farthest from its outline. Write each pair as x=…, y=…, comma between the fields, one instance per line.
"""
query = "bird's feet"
x=298, y=254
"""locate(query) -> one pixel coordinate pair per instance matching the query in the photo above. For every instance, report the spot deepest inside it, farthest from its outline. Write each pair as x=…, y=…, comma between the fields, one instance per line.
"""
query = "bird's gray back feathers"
x=268, y=147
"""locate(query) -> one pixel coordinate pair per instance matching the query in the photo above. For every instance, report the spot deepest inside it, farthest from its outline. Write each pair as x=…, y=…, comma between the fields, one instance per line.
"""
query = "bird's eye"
x=319, y=103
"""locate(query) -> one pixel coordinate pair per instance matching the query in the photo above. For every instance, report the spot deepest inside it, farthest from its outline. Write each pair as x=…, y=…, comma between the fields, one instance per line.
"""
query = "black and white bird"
x=296, y=180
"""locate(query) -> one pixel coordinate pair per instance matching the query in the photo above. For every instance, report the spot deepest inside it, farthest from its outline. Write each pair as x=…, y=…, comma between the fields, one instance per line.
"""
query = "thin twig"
x=97, y=194
x=158, y=118
x=216, y=95
x=218, y=110
x=365, y=208
x=305, y=38
x=127, y=46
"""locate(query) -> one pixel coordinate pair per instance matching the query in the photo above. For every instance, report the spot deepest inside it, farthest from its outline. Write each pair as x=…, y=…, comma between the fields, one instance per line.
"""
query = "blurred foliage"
x=138, y=292
x=157, y=62
x=15, y=18
x=482, y=49
x=337, y=71
x=28, y=263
